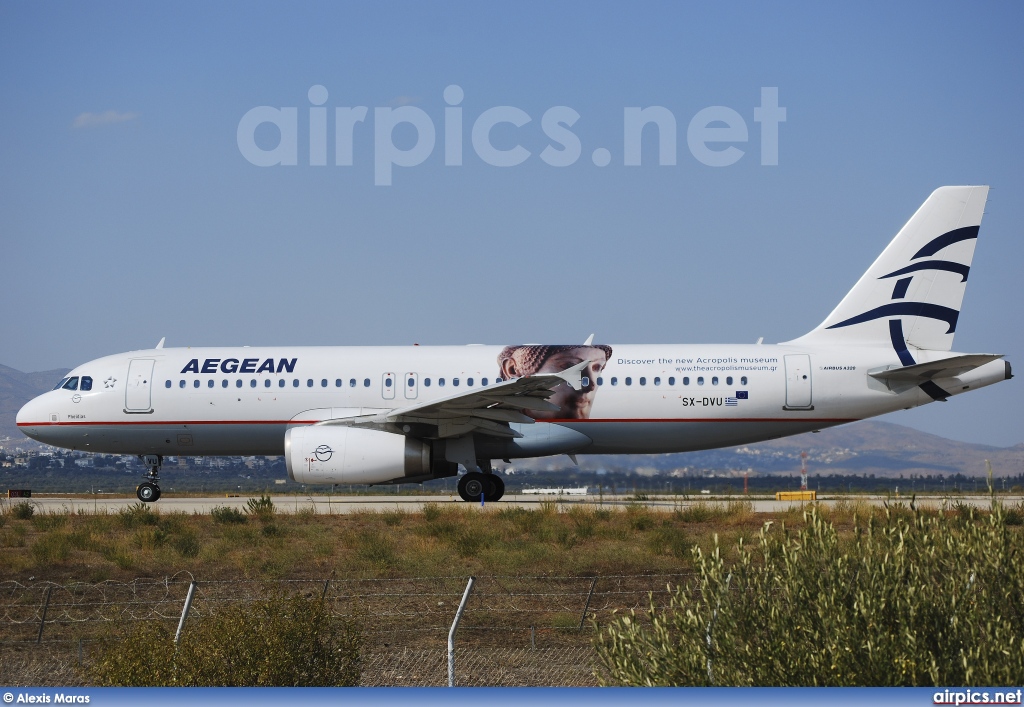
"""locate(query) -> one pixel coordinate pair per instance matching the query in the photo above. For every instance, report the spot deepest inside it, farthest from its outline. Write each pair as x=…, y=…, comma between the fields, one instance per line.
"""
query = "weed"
x=186, y=544
x=51, y=548
x=431, y=512
x=262, y=507
x=49, y=521
x=136, y=515
x=23, y=510
x=227, y=515
x=376, y=549
x=393, y=518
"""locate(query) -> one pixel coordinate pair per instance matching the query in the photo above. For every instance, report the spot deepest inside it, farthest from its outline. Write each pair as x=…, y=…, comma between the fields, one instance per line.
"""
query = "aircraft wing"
x=944, y=368
x=485, y=410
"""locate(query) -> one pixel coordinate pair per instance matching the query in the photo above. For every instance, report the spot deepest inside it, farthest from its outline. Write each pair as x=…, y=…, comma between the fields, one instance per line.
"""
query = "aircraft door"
x=388, y=386
x=798, y=382
x=412, y=386
x=139, y=385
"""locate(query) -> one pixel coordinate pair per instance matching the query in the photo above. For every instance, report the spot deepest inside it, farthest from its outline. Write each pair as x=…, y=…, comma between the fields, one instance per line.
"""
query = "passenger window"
x=440, y=382
x=252, y=383
x=366, y=382
x=266, y=382
x=72, y=384
x=426, y=382
x=672, y=380
x=686, y=380
x=714, y=380
x=743, y=380
x=195, y=383
x=483, y=381
x=295, y=382
x=615, y=381
x=497, y=380
x=166, y=385
x=280, y=383
x=657, y=381
x=65, y=380
x=600, y=380
x=209, y=383
x=86, y=383
x=351, y=382
x=469, y=382
x=728, y=381
x=584, y=381
x=337, y=382
x=387, y=382
x=181, y=384
x=455, y=382
x=411, y=382
x=700, y=380
x=238, y=383
x=323, y=383
x=643, y=381
x=224, y=383
x=629, y=380
x=309, y=382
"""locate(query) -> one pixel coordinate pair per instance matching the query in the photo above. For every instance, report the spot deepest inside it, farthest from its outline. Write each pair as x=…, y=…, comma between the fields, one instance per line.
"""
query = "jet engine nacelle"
x=336, y=454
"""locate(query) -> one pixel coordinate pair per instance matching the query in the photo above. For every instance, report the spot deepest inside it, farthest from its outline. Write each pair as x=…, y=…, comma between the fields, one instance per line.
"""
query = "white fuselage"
x=648, y=399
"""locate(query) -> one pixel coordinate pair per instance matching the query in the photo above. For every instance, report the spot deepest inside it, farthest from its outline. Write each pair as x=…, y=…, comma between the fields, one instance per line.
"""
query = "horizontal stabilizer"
x=944, y=368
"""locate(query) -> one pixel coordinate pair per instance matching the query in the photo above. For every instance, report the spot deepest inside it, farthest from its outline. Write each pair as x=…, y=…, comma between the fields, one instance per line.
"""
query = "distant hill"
x=16, y=389
x=868, y=447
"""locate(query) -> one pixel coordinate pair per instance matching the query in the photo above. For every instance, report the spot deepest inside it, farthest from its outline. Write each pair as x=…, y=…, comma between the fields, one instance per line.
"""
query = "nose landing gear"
x=149, y=490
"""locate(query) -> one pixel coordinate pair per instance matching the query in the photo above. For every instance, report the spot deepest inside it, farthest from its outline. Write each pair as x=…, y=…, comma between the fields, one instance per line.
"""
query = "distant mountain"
x=16, y=389
x=868, y=447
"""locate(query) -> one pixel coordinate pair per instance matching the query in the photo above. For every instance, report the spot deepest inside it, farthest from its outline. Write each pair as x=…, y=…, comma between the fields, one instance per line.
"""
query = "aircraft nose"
x=31, y=415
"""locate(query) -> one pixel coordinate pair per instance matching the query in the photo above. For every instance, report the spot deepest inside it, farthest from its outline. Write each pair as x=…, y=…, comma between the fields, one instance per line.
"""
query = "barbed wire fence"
x=516, y=631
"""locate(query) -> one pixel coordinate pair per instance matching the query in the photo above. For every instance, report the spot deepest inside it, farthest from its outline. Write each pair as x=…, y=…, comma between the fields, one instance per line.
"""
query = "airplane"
x=407, y=414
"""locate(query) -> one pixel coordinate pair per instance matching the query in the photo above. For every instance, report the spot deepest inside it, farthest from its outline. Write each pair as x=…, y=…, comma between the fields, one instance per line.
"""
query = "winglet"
x=573, y=375
x=160, y=344
x=589, y=341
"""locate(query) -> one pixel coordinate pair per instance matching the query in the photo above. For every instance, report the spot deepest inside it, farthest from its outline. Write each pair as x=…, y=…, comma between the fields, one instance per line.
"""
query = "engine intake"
x=336, y=454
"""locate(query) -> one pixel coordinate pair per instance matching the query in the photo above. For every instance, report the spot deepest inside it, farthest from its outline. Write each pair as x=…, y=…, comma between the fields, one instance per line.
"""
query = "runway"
x=342, y=505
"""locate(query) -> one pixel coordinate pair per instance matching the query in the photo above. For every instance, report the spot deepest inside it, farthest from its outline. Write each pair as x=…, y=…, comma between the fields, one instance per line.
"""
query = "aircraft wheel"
x=472, y=485
x=147, y=492
x=497, y=488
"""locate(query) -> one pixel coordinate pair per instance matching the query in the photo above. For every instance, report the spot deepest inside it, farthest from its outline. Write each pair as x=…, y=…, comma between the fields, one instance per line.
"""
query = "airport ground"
x=550, y=570
x=342, y=504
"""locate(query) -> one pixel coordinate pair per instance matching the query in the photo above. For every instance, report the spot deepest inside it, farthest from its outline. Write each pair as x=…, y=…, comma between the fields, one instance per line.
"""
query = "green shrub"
x=284, y=642
x=136, y=515
x=23, y=510
x=262, y=507
x=912, y=599
x=227, y=515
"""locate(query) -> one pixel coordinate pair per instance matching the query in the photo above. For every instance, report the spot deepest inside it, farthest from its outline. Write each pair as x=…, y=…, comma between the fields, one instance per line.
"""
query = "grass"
x=444, y=539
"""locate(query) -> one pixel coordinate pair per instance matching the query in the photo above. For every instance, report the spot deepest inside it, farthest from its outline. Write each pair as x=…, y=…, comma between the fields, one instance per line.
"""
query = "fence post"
x=184, y=610
x=587, y=605
x=46, y=606
x=451, y=633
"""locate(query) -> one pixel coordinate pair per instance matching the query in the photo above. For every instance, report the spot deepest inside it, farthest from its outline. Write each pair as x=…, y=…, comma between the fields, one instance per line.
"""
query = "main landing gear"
x=473, y=484
x=149, y=490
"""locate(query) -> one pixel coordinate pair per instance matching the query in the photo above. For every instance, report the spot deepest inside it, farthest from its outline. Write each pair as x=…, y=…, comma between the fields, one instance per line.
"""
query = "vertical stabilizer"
x=911, y=295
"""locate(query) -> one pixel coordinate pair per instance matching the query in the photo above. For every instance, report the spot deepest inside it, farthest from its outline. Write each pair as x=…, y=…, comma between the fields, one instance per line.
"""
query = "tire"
x=472, y=485
x=147, y=492
x=497, y=488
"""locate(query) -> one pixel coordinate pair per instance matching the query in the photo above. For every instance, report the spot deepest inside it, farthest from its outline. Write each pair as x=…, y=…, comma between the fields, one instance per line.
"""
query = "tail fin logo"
x=921, y=309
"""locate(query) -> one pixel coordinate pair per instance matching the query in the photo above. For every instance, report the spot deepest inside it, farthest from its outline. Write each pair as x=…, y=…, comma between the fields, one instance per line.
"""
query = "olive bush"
x=275, y=642
x=912, y=598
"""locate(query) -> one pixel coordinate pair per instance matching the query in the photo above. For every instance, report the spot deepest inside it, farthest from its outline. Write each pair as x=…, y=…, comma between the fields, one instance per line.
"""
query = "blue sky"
x=128, y=211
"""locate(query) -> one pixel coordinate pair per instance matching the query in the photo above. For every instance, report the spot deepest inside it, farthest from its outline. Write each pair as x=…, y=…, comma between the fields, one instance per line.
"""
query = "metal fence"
x=515, y=630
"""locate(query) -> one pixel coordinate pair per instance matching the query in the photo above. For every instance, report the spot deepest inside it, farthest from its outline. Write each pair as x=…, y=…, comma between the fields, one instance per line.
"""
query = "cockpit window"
x=61, y=383
x=71, y=384
x=86, y=383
